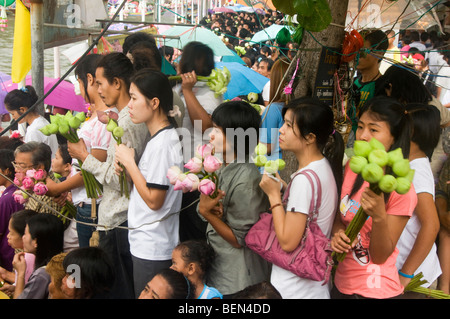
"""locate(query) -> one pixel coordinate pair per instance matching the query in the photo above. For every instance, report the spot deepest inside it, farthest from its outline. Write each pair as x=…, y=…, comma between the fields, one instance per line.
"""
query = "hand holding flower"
x=271, y=186
x=124, y=155
x=209, y=206
x=78, y=150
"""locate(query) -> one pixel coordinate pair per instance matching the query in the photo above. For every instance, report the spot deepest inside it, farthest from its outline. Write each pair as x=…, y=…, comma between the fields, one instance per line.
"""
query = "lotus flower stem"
x=415, y=285
x=356, y=224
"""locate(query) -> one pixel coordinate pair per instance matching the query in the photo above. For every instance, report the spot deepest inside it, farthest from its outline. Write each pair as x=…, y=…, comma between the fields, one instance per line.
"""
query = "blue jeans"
x=85, y=231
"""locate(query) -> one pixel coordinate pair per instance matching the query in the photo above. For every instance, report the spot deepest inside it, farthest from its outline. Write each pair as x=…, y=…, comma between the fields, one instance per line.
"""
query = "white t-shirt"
x=156, y=240
x=266, y=92
x=423, y=183
x=443, y=81
x=209, y=102
x=287, y=283
x=33, y=134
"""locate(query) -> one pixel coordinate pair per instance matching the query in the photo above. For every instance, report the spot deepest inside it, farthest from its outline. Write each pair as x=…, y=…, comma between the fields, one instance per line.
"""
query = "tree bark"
x=309, y=55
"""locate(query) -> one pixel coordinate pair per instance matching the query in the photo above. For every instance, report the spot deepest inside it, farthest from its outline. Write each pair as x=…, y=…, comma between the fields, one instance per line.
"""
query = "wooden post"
x=332, y=37
x=37, y=49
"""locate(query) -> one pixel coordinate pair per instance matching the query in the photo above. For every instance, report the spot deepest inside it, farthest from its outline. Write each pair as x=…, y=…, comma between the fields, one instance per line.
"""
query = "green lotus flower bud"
x=74, y=122
x=394, y=156
x=376, y=144
x=401, y=168
x=53, y=128
x=281, y=164
x=54, y=119
x=261, y=149
x=271, y=167
x=227, y=74
x=68, y=115
x=387, y=183
x=111, y=125
x=252, y=97
x=403, y=185
x=44, y=130
x=410, y=175
x=357, y=164
x=81, y=116
x=379, y=157
x=372, y=173
x=362, y=148
x=63, y=128
x=260, y=160
x=118, y=131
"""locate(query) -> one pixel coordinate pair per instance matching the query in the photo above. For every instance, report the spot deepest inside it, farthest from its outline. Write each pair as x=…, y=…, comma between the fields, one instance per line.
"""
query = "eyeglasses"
x=22, y=166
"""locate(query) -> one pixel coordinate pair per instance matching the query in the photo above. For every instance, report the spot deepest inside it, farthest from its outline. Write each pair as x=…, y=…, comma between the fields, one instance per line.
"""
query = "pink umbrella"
x=63, y=95
x=222, y=9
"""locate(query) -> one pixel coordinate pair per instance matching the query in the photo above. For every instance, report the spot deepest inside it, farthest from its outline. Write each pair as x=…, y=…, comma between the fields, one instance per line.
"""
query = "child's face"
x=217, y=138
x=369, y=127
x=14, y=238
x=178, y=263
x=58, y=165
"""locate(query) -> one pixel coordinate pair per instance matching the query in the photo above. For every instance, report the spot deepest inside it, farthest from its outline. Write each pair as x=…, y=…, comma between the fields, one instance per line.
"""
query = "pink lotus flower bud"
x=207, y=187
x=40, y=189
x=113, y=115
x=194, y=165
x=179, y=184
x=28, y=183
x=211, y=164
x=30, y=173
x=173, y=173
x=19, y=198
x=191, y=182
x=103, y=117
x=40, y=175
x=19, y=177
x=204, y=150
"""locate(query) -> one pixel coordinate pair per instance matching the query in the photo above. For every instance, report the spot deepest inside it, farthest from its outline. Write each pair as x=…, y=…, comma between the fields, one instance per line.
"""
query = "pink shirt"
x=94, y=133
x=357, y=274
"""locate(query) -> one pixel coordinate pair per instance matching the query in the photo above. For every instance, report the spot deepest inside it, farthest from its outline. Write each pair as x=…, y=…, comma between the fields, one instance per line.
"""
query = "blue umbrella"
x=243, y=80
x=269, y=33
x=234, y=58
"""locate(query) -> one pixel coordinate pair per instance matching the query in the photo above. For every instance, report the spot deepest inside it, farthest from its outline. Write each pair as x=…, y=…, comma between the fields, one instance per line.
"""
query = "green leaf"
x=285, y=6
x=304, y=7
x=319, y=18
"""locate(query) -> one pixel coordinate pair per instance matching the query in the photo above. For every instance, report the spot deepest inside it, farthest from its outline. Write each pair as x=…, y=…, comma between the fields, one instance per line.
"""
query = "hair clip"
x=24, y=89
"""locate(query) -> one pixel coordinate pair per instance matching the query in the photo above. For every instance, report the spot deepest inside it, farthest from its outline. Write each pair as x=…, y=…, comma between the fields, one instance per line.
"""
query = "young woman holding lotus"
x=307, y=132
x=153, y=197
x=231, y=214
x=368, y=270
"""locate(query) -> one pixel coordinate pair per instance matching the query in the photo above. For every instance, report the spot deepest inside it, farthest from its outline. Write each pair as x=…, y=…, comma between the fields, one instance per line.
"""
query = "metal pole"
x=37, y=49
x=56, y=62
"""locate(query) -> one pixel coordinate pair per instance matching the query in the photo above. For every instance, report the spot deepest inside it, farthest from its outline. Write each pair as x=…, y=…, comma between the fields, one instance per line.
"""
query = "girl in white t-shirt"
x=153, y=206
x=417, y=248
x=19, y=101
x=307, y=132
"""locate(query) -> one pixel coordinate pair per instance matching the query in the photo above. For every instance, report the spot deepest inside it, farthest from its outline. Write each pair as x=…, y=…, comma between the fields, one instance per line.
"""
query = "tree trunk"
x=309, y=55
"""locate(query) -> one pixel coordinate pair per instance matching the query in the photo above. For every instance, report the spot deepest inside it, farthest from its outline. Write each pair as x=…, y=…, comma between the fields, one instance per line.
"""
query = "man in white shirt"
x=113, y=77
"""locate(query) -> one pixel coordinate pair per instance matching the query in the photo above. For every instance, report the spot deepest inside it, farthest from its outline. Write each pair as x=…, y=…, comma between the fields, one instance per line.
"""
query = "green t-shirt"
x=362, y=92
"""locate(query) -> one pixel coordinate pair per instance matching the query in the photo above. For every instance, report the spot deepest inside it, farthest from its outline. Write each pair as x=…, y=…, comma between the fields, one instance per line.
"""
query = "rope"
x=40, y=100
x=93, y=224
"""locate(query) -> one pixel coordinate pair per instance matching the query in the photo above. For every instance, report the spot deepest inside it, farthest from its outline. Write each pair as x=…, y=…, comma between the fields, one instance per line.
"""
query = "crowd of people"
x=160, y=243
